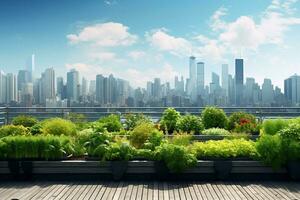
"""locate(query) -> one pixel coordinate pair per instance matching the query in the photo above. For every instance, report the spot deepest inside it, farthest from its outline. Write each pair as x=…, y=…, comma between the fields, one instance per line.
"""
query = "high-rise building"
x=72, y=85
x=48, y=85
x=2, y=87
x=60, y=87
x=23, y=78
x=157, y=88
x=225, y=79
x=11, y=88
x=239, y=81
x=192, y=83
x=267, y=92
x=84, y=87
x=200, y=78
x=292, y=89
x=215, y=83
x=100, y=89
x=30, y=66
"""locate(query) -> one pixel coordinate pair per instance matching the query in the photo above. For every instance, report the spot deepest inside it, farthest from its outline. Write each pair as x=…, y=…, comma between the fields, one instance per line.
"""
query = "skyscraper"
x=292, y=89
x=2, y=87
x=48, y=85
x=23, y=78
x=11, y=88
x=30, y=66
x=267, y=92
x=225, y=79
x=239, y=81
x=200, y=78
x=100, y=88
x=72, y=85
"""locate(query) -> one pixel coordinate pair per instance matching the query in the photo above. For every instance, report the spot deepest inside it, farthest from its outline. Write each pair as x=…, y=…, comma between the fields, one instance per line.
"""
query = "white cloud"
x=135, y=55
x=216, y=22
x=108, y=34
x=163, y=41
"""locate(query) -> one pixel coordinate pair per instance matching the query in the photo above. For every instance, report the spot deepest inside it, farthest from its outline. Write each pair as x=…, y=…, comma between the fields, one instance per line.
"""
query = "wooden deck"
x=149, y=190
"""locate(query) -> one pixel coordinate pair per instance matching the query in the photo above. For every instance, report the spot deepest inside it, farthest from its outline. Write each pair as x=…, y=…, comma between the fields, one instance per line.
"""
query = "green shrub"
x=145, y=154
x=215, y=131
x=190, y=124
x=36, y=129
x=169, y=119
x=132, y=120
x=119, y=151
x=13, y=130
x=290, y=137
x=176, y=157
x=242, y=122
x=222, y=149
x=95, y=143
x=269, y=148
x=213, y=117
x=273, y=126
x=24, y=120
x=111, y=123
x=58, y=126
x=145, y=135
x=37, y=147
x=182, y=139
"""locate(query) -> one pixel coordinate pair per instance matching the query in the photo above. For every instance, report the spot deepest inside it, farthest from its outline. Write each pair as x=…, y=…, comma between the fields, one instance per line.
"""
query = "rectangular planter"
x=144, y=170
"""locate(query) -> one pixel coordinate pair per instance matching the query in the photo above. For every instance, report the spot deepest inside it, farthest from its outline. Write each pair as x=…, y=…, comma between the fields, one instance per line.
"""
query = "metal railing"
x=93, y=113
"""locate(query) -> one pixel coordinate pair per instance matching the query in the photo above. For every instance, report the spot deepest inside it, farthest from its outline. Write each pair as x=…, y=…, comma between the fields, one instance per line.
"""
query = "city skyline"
x=129, y=40
x=225, y=89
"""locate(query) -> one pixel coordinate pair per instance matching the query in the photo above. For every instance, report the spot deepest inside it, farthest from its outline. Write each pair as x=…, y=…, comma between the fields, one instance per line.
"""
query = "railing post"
x=6, y=116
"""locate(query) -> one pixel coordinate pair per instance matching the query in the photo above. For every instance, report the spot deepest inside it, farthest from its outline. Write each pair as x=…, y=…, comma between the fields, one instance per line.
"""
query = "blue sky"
x=139, y=40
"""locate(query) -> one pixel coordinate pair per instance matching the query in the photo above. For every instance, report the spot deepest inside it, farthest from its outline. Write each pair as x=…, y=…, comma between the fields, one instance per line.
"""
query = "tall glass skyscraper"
x=200, y=77
x=239, y=81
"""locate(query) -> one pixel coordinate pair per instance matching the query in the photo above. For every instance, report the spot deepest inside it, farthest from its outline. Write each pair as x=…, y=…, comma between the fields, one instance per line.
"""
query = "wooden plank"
x=128, y=191
x=123, y=191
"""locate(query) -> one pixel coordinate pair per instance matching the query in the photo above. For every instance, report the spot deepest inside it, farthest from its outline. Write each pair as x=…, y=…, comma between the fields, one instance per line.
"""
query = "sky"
x=138, y=40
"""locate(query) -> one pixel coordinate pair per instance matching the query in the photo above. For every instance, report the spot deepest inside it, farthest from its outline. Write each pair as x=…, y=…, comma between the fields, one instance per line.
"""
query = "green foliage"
x=213, y=117
x=132, y=120
x=94, y=143
x=290, y=137
x=241, y=120
x=234, y=148
x=13, y=130
x=146, y=154
x=273, y=126
x=111, y=123
x=78, y=119
x=190, y=124
x=269, y=148
x=58, y=126
x=176, y=157
x=119, y=151
x=169, y=119
x=145, y=135
x=215, y=131
x=37, y=147
x=36, y=129
x=182, y=139
x=24, y=120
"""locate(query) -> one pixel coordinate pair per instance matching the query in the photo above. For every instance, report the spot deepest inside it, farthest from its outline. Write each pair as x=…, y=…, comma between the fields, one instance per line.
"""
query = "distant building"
x=292, y=89
x=239, y=81
x=72, y=85
x=200, y=78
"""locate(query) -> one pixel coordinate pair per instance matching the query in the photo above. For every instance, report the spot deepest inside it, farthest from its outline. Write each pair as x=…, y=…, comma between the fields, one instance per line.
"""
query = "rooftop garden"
x=169, y=141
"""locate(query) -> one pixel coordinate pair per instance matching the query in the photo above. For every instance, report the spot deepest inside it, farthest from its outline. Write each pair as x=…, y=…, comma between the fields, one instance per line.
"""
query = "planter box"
x=146, y=170
x=215, y=137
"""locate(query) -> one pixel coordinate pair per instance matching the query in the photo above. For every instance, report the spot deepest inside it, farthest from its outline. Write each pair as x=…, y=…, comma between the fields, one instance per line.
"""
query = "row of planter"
x=143, y=170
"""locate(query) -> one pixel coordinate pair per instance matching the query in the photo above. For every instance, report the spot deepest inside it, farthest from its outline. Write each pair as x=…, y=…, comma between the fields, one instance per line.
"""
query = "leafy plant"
x=119, y=151
x=213, y=117
x=37, y=147
x=24, y=120
x=176, y=157
x=290, y=137
x=145, y=133
x=169, y=119
x=190, y=124
x=269, y=148
x=273, y=126
x=111, y=123
x=222, y=149
x=133, y=120
x=36, y=129
x=58, y=126
x=241, y=119
x=13, y=130
x=215, y=131
x=182, y=139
